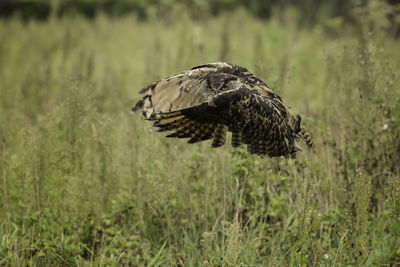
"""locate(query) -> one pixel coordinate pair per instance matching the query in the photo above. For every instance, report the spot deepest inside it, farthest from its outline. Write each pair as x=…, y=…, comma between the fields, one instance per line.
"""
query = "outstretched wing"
x=177, y=91
x=252, y=120
x=181, y=90
x=253, y=113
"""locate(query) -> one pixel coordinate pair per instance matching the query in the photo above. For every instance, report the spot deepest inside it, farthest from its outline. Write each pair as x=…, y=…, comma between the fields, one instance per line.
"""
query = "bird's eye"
x=209, y=89
x=224, y=88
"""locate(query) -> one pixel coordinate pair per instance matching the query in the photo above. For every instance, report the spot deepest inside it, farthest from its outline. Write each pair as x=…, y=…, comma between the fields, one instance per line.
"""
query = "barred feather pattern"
x=211, y=100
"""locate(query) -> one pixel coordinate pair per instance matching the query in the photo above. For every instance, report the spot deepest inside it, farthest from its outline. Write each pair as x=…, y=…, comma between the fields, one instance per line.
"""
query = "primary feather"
x=209, y=100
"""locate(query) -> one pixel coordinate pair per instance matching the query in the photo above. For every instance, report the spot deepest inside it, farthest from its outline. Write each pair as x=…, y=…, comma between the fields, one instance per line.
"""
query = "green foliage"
x=311, y=10
x=83, y=182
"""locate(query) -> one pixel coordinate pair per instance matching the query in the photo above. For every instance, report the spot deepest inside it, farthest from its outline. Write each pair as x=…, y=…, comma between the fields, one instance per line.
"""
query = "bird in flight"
x=208, y=101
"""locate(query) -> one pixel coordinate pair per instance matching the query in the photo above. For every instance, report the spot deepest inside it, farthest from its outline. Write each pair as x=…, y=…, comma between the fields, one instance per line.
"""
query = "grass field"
x=83, y=182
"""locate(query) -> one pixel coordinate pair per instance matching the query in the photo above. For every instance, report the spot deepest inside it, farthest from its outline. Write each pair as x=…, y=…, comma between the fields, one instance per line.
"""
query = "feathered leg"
x=220, y=135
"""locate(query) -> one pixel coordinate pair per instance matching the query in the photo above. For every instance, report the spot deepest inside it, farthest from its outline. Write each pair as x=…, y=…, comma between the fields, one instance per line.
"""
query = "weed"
x=83, y=182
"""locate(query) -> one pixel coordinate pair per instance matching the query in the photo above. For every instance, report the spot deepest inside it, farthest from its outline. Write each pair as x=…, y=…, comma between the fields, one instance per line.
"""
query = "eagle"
x=208, y=101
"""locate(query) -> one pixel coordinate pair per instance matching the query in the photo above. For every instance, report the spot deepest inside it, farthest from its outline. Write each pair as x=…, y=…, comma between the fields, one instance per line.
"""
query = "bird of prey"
x=207, y=101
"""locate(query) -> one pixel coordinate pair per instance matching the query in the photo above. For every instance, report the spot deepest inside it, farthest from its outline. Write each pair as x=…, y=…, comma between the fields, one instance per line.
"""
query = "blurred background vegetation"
x=310, y=10
x=83, y=182
x=259, y=8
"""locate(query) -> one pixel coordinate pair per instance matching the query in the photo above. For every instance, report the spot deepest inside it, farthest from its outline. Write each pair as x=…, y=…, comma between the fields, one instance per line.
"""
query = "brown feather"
x=209, y=100
x=236, y=139
x=220, y=135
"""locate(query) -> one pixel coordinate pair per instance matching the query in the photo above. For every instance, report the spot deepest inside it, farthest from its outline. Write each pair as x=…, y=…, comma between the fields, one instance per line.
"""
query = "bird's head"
x=217, y=83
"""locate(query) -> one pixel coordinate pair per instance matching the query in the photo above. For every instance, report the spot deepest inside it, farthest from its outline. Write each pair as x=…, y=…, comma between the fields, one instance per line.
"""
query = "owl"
x=208, y=101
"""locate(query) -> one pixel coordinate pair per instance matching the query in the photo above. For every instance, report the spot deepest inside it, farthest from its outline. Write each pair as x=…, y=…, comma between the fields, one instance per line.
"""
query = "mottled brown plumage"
x=209, y=100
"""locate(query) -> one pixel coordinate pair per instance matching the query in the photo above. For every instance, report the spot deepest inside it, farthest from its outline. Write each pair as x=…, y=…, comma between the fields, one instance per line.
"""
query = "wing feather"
x=253, y=113
x=186, y=131
x=178, y=91
x=236, y=107
x=171, y=124
x=204, y=132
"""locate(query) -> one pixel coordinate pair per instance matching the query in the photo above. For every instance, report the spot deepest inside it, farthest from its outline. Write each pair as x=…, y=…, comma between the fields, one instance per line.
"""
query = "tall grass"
x=83, y=182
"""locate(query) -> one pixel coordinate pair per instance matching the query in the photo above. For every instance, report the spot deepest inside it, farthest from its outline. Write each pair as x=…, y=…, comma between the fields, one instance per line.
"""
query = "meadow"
x=85, y=183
